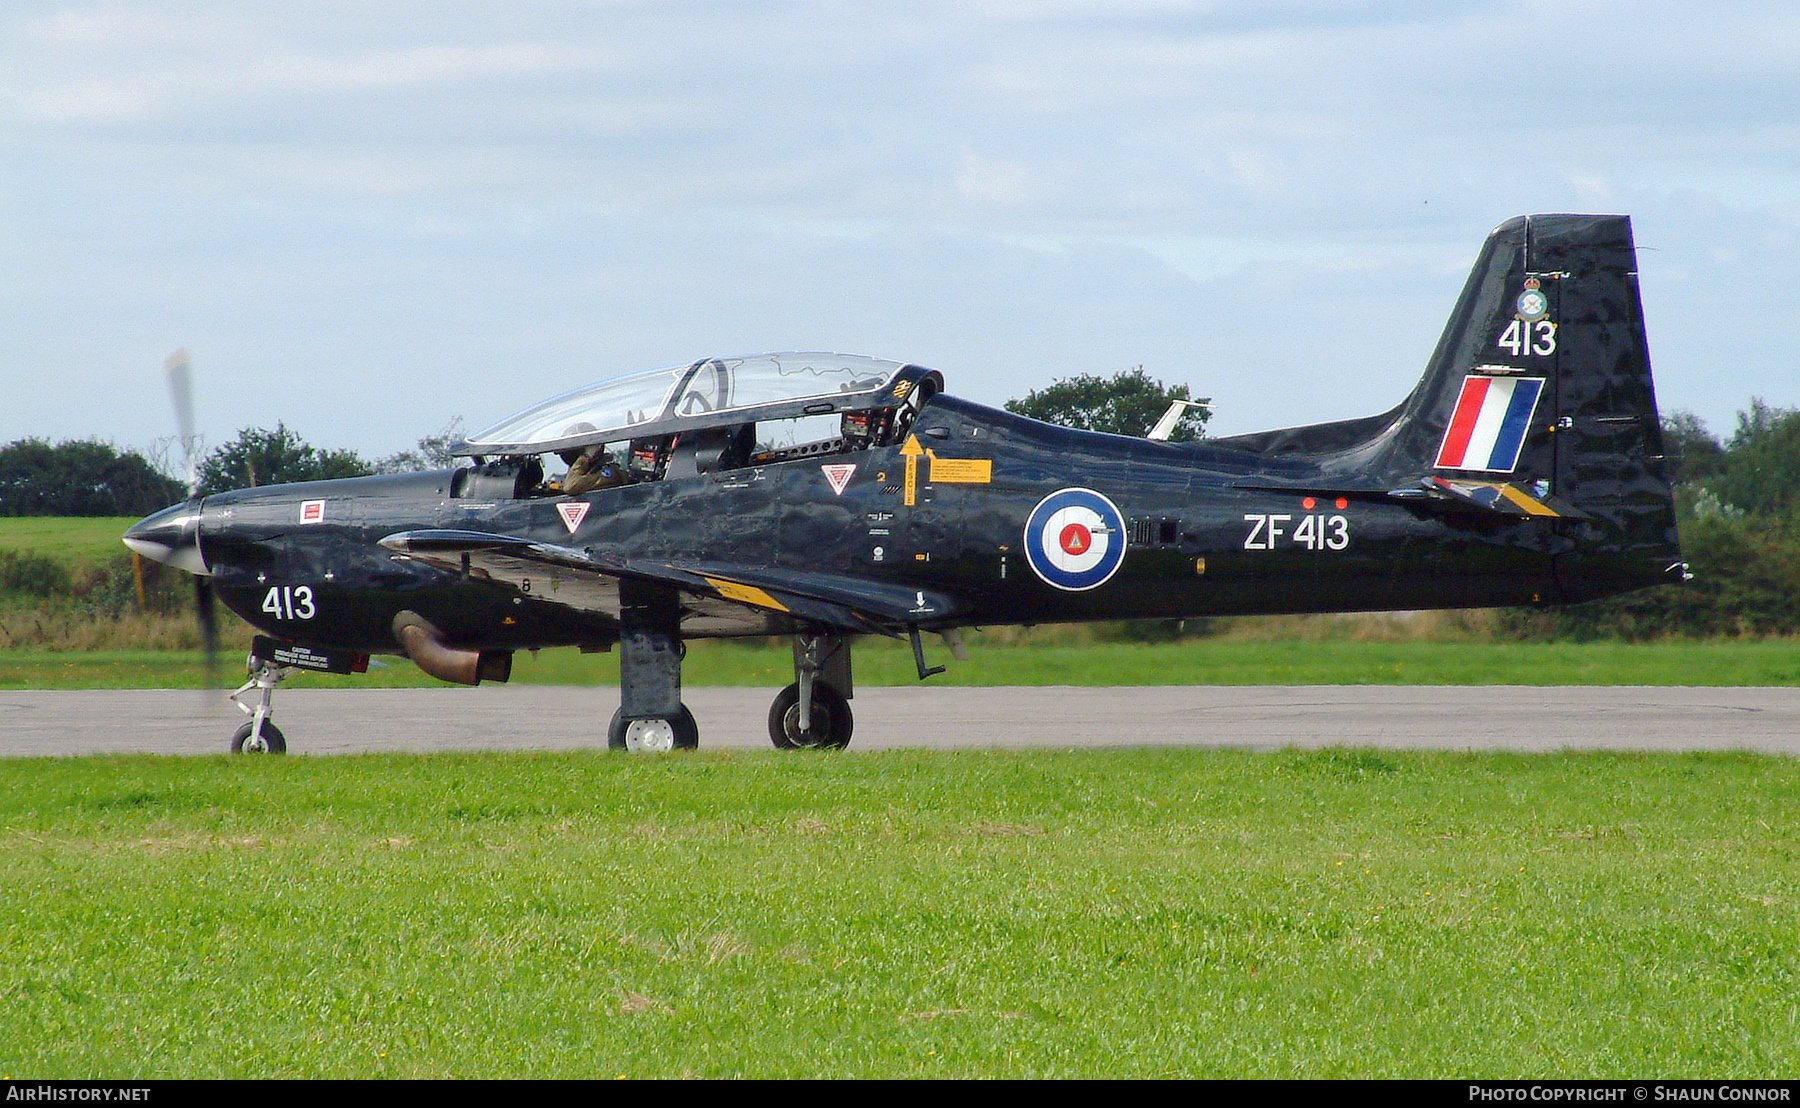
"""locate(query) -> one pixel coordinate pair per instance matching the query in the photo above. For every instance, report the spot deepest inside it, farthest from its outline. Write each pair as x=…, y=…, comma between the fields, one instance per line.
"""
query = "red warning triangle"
x=839, y=476
x=573, y=512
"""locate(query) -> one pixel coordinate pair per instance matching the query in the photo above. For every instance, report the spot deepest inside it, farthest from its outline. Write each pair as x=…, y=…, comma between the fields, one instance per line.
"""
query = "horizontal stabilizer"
x=1507, y=498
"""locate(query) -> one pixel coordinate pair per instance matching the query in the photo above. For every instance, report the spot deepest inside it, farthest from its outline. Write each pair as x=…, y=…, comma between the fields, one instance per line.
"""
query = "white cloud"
x=693, y=168
x=113, y=26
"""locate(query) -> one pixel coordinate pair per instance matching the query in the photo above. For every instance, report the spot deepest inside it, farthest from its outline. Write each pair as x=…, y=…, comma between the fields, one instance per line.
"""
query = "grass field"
x=1117, y=913
x=1190, y=662
x=1126, y=913
x=75, y=540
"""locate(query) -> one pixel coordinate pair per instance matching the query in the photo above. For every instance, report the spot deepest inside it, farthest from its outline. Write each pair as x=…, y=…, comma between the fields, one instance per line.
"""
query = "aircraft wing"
x=717, y=597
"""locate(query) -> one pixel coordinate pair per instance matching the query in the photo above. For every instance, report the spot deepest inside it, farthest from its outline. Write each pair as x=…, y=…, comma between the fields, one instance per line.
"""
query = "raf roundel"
x=1075, y=539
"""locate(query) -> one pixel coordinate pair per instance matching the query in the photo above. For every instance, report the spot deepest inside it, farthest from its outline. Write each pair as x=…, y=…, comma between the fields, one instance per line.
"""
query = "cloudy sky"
x=366, y=218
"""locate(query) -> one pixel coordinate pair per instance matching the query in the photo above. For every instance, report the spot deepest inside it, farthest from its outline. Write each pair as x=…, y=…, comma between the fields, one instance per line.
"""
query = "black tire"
x=831, y=720
x=272, y=739
x=687, y=732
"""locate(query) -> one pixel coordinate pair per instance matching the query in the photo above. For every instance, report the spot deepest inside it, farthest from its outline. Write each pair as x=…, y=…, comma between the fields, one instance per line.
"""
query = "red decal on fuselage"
x=572, y=512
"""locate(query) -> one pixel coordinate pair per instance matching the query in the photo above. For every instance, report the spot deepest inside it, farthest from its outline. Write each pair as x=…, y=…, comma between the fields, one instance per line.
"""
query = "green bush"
x=23, y=573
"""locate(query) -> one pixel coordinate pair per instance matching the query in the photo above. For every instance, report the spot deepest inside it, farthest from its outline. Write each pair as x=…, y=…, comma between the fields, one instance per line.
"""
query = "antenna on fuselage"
x=1166, y=425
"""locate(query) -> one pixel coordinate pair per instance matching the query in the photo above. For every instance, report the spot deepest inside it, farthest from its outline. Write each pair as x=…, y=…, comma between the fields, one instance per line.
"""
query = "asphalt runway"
x=1262, y=717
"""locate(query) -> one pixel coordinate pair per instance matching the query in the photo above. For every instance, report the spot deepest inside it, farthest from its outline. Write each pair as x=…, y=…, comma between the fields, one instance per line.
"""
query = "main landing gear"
x=813, y=713
x=651, y=717
x=260, y=735
x=655, y=735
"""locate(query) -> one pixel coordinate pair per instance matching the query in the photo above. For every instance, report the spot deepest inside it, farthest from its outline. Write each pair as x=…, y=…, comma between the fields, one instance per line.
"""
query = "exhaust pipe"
x=425, y=645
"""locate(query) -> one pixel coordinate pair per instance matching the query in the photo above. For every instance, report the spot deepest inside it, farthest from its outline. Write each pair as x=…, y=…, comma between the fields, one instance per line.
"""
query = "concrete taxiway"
x=352, y=721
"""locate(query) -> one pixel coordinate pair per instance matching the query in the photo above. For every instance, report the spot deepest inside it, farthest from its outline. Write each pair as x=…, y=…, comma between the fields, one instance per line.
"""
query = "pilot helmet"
x=570, y=454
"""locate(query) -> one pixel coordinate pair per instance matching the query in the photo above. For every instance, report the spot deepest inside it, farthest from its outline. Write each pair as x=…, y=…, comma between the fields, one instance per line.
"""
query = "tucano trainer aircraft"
x=825, y=496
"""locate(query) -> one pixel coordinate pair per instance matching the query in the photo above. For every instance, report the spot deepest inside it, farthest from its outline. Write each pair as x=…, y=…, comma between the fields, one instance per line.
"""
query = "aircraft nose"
x=171, y=536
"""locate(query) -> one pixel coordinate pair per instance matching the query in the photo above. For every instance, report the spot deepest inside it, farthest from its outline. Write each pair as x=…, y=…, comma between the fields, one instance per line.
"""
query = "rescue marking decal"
x=911, y=451
x=961, y=471
x=1075, y=539
x=838, y=476
x=312, y=511
x=1488, y=428
x=745, y=594
x=572, y=512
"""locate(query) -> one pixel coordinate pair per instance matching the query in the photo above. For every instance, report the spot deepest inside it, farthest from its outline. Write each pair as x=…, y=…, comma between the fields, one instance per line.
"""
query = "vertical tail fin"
x=1541, y=383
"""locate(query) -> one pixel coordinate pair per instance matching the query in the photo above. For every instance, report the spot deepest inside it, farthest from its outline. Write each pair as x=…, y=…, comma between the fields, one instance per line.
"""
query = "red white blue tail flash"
x=1075, y=539
x=1488, y=428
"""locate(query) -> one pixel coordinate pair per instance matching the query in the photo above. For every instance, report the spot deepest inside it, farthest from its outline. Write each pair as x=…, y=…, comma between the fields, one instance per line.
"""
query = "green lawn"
x=1120, y=913
x=1192, y=662
x=76, y=541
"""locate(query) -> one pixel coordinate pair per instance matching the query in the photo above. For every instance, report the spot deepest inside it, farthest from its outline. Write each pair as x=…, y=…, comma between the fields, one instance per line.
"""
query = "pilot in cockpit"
x=590, y=469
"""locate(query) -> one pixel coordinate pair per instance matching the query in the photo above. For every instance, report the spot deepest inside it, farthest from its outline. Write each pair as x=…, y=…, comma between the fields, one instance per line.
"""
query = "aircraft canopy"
x=709, y=393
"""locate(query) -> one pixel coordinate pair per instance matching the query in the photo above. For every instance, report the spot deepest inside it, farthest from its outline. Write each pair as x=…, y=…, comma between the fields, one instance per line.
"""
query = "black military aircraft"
x=826, y=496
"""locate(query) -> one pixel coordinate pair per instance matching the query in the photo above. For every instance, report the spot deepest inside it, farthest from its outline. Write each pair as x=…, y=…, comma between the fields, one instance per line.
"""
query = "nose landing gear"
x=271, y=663
x=260, y=735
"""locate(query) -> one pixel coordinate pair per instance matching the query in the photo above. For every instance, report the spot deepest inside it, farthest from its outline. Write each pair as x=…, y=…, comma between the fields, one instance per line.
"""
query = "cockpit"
x=707, y=416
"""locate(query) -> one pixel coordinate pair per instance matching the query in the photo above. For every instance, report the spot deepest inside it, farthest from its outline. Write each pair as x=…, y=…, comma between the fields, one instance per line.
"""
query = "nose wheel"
x=268, y=741
x=260, y=735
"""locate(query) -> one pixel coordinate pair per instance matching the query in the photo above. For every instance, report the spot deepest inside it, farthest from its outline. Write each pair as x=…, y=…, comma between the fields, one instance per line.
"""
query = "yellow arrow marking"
x=911, y=452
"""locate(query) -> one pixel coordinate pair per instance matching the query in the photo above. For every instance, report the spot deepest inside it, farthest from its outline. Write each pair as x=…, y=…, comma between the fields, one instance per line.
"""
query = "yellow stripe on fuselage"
x=745, y=594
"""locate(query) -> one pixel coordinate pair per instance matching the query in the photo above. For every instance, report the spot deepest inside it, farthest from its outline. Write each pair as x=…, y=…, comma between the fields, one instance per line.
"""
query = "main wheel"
x=653, y=736
x=272, y=741
x=831, y=720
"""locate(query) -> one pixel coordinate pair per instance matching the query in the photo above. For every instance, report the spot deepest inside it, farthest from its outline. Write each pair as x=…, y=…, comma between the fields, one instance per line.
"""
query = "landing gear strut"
x=814, y=711
x=260, y=735
x=651, y=717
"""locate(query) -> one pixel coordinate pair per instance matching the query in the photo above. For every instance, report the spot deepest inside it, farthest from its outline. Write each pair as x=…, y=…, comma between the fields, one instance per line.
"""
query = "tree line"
x=85, y=477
